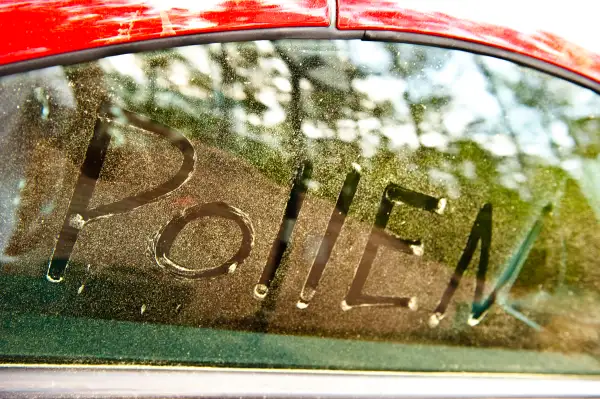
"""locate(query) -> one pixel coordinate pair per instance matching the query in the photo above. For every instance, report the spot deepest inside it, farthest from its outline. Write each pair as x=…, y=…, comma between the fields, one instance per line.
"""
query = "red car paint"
x=545, y=46
x=39, y=28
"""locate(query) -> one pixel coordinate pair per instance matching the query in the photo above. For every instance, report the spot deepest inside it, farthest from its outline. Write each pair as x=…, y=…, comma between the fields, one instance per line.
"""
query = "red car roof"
x=39, y=28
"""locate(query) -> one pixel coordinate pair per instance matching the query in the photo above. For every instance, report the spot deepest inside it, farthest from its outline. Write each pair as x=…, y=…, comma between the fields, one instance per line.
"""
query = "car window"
x=301, y=203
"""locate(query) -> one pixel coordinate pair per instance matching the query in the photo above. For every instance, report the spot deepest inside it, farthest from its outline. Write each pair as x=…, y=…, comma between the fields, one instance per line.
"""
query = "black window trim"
x=319, y=33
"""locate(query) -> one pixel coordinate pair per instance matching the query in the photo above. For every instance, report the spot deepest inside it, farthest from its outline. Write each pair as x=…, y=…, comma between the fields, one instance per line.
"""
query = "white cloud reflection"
x=486, y=112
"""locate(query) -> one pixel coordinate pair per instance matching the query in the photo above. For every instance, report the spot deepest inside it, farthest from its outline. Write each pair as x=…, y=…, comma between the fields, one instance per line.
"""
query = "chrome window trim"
x=125, y=381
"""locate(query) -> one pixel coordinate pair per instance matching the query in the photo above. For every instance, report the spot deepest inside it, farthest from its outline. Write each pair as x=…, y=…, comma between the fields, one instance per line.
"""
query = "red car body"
x=36, y=29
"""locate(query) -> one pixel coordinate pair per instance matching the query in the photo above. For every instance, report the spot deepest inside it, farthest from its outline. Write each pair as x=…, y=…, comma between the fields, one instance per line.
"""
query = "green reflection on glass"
x=462, y=128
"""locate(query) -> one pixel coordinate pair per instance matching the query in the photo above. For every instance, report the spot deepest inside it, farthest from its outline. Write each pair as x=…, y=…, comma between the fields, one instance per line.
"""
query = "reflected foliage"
x=470, y=129
x=456, y=125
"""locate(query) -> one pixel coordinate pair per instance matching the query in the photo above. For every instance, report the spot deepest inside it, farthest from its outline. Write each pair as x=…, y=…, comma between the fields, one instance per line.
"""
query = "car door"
x=232, y=198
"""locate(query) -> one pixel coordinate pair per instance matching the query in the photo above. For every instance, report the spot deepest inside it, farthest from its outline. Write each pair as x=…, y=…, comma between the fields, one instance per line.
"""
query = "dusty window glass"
x=326, y=204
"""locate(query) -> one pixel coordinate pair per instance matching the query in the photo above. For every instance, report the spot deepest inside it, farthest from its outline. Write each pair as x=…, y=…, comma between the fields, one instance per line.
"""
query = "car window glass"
x=297, y=193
